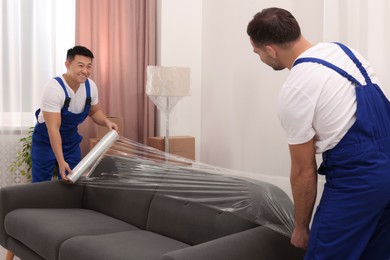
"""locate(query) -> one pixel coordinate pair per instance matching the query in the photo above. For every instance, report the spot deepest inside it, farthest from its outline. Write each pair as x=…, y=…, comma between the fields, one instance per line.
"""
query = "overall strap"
x=37, y=113
x=67, y=98
x=88, y=93
x=331, y=66
x=356, y=61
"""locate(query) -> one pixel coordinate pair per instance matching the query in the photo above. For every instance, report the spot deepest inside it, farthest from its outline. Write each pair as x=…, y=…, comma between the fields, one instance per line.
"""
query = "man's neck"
x=297, y=48
x=74, y=85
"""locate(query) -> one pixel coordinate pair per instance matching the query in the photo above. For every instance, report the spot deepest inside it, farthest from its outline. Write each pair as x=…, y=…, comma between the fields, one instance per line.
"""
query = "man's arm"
x=53, y=123
x=303, y=180
x=100, y=118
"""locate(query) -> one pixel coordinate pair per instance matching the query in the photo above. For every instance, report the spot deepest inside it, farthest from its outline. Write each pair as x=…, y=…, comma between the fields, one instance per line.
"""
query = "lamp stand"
x=167, y=127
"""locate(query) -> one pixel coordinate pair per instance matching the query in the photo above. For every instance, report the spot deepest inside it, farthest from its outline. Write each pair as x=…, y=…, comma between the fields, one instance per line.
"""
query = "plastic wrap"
x=130, y=165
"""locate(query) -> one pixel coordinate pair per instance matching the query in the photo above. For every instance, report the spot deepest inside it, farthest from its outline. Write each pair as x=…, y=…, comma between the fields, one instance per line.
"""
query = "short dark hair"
x=273, y=25
x=78, y=50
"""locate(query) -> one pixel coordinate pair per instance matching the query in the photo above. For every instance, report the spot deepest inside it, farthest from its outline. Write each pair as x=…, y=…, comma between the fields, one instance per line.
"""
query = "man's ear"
x=271, y=51
x=67, y=64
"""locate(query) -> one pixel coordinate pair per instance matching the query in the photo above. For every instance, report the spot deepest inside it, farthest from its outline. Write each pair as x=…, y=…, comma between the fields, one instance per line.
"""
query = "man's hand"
x=100, y=118
x=63, y=168
x=300, y=238
x=111, y=125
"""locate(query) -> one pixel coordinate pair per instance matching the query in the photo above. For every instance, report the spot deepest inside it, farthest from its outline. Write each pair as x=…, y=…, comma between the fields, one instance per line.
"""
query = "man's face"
x=80, y=68
x=266, y=58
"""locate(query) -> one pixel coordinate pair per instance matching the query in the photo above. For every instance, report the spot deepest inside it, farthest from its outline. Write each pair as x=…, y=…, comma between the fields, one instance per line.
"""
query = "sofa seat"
x=38, y=228
x=128, y=245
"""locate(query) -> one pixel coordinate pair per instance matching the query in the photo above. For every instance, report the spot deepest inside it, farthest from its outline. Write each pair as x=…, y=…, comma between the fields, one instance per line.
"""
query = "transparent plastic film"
x=167, y=81
x=130, y=165
x=165, y=86
x=165, y=104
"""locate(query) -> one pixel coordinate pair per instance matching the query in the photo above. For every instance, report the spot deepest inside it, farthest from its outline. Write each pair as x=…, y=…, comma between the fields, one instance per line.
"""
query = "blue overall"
x=42, y=155
x=352, y=220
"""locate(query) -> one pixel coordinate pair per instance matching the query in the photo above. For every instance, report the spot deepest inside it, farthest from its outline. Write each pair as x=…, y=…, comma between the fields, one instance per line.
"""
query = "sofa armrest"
x=51, y=194
x=257, y=243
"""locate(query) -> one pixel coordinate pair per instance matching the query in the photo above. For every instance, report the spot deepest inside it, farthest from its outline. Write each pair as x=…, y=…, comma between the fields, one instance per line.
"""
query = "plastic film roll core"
x=93, y=155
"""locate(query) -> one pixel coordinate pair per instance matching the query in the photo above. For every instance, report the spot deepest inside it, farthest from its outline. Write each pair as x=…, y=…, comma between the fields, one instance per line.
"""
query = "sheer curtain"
x=364, y=25
x=121, y=34
x=34, y=37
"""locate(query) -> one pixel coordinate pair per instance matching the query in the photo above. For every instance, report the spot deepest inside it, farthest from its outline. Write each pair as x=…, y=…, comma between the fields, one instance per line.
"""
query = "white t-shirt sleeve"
x=94, y=92
x=53, y=97
x=296, y=112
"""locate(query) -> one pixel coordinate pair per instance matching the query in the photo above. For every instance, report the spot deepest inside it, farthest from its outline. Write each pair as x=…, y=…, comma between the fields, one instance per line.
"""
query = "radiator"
x=9, y=146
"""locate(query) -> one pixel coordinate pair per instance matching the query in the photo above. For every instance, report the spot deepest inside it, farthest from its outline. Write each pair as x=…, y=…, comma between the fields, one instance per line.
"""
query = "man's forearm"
x=99, y=118
x=303, y=181
x=56, y=144
x=304, y=189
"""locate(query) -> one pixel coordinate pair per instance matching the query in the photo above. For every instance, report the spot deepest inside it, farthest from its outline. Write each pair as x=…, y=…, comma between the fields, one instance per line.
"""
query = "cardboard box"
x=180, y=145
x=102, y=130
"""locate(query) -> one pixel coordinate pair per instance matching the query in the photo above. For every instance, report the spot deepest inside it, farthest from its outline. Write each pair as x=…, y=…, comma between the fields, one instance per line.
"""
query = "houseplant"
x=22, y=162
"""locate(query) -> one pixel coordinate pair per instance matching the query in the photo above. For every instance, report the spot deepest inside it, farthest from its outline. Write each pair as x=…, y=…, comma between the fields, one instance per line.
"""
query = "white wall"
x=363, y=25
x=180, y=44
x=240, y=128
x=232, y=112
x=239, y=92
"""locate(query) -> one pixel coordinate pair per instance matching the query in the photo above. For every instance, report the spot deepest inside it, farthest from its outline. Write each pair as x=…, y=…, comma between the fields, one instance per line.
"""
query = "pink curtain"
x=122, y=36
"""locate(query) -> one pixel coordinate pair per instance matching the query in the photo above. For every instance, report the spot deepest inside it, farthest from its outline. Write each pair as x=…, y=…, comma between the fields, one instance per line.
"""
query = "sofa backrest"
x=126, y=201
x=192, y=223
x=129, y=205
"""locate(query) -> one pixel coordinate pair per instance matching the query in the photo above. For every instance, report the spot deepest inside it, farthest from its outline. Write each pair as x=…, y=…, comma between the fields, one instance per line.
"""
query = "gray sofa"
x=54, y=220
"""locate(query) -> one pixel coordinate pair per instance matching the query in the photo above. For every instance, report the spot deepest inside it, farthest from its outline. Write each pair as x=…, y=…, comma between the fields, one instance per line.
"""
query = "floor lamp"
x=165, y=86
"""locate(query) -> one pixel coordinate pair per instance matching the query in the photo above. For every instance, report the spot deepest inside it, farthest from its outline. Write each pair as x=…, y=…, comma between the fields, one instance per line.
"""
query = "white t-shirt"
x=315, y=101
x=54, y=97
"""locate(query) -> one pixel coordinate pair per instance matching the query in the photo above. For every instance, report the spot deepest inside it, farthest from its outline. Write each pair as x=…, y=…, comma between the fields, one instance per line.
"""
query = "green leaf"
x=22, y=162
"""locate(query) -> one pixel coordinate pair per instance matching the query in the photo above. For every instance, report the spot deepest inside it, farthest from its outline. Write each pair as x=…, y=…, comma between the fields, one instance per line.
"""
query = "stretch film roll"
x=93, y=155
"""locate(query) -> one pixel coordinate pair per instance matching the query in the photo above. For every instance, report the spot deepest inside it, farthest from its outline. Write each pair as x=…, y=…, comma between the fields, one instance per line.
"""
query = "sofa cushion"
x=129, y=245
x=190, y=222
x=43, y=230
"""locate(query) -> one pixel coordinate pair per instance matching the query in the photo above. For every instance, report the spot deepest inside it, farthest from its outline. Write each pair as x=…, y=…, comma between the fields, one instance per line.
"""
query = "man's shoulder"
x=92, y=84
x=53, y=85
x=323, y=50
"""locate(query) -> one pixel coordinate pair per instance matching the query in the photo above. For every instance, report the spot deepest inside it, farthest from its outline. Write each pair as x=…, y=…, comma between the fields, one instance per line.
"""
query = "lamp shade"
x=167, y=81
x=165, y=86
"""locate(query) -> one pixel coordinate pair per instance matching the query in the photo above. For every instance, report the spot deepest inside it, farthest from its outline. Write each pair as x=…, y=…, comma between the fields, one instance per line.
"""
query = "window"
x=34, y=38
